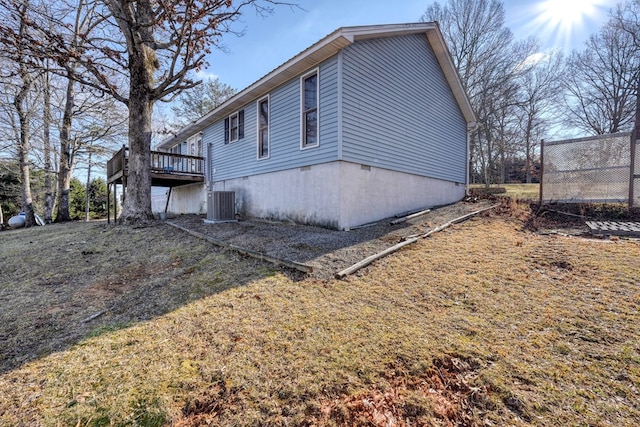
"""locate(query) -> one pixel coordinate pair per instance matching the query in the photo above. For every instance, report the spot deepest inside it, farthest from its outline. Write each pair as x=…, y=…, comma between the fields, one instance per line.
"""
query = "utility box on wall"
x=221, y=206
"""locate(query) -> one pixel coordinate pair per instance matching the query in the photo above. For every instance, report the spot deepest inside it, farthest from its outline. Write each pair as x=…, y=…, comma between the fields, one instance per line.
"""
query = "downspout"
x=471, y=128
x=340, y=158
x=339, y=107
x=208, y=177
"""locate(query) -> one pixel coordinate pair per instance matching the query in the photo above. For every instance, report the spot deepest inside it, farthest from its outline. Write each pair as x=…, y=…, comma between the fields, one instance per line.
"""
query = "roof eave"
x=322, y=50
x=443, y=55
x=297, y=65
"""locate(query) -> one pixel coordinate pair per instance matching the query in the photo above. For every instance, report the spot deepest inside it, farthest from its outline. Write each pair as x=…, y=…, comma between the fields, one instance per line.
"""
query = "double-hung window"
x=234, y=127
x=263, y=128
x=309, y=103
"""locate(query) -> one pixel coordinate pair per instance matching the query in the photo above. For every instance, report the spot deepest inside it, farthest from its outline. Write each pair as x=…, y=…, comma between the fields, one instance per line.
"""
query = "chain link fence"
x=588, y=170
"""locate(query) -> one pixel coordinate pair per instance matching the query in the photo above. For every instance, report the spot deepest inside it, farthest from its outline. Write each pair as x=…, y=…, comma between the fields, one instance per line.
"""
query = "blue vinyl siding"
x=238, y=159
x=398, y=109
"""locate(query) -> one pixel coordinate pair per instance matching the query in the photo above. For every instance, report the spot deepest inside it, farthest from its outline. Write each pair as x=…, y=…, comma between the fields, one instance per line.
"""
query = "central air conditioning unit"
x=221, y=206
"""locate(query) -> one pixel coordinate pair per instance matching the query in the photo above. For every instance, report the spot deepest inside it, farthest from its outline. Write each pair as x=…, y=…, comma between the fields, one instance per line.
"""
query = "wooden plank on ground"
x=361, y=264
x=254, y=254
x=457, y=220
x=408, y=217
x=412, y=239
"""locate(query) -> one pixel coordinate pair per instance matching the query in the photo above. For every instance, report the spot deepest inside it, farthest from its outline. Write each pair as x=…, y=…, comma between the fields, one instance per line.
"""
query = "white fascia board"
x=300, y=63
x=451, y=73
x=388, y=30
x=322, y=50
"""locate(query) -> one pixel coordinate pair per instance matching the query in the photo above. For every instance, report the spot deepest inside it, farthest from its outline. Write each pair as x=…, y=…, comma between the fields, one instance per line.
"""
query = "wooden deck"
x=167, y=169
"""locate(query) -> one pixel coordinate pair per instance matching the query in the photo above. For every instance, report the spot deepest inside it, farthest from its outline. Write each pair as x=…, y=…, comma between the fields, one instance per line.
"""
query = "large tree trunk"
x=24, y=144
x=86, y=189
x=25, y=173
x=528, y=137
x=66, y=159
x=49, y=195
x=137, y=202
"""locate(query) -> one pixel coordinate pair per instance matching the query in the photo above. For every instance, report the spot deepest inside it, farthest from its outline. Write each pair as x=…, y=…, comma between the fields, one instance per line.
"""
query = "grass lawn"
x=482, y=324
x=523, y=191
x=517, y=191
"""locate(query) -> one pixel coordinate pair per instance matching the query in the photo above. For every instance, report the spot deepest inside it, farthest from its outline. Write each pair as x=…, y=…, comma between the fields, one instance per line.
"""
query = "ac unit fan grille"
x=221, y=206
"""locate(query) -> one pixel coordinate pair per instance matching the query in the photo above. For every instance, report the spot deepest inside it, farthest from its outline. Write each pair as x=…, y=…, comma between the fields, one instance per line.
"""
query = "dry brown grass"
x=517, y=191
x=482, y=324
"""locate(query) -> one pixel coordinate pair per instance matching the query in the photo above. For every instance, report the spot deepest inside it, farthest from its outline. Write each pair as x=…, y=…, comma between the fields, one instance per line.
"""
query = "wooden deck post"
x=108, y=203
x=166, y=205
x=541, y=169
x=632, y=165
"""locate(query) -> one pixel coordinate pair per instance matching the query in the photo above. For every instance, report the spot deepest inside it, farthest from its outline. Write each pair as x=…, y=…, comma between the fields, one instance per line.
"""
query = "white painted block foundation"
x=337, y=195
x=188, y=199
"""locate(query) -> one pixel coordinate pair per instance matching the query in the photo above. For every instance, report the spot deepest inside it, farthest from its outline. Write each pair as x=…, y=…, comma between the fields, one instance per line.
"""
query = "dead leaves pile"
x=446, y=395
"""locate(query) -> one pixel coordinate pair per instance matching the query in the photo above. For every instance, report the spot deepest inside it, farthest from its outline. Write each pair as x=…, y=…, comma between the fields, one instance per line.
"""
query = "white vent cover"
x=221, y=206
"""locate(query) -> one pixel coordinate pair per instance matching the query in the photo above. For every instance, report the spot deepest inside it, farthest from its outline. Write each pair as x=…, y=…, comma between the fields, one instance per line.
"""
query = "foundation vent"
x=221, y=206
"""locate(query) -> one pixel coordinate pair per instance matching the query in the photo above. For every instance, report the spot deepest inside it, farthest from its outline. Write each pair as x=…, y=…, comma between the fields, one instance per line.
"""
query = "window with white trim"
x=309, y=104
x=263, y=128
x=234, y=127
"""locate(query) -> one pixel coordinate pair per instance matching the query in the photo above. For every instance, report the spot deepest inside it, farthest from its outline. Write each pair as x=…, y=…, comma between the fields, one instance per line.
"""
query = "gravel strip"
x=327, y=251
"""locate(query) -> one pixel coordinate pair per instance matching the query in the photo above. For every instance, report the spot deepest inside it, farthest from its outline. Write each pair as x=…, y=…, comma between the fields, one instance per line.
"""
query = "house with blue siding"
x=366, y=123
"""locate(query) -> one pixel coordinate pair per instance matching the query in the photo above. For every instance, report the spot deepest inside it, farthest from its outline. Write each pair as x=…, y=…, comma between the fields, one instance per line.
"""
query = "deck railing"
x=164, y=163
x=176, y=163
x=118, y=162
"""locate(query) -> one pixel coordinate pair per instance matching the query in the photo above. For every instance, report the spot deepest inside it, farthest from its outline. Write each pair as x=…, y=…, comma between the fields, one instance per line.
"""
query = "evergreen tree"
x=97, y=194
x=77, y=196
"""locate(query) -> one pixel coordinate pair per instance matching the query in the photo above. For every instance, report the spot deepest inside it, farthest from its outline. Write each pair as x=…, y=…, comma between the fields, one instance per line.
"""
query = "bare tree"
x=139, y=53
x=475, y=34
x=91, y=127
x=503, y=122
x=23, y=78
x=489, y=61
x=599, y=84
x=50, y=194
x=540, y=89
x=84, y=19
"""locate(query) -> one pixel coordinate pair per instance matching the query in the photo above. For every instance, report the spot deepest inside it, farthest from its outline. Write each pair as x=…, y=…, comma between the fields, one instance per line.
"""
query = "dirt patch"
x=446, y=395
x=326, y=251
x=206, y=409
